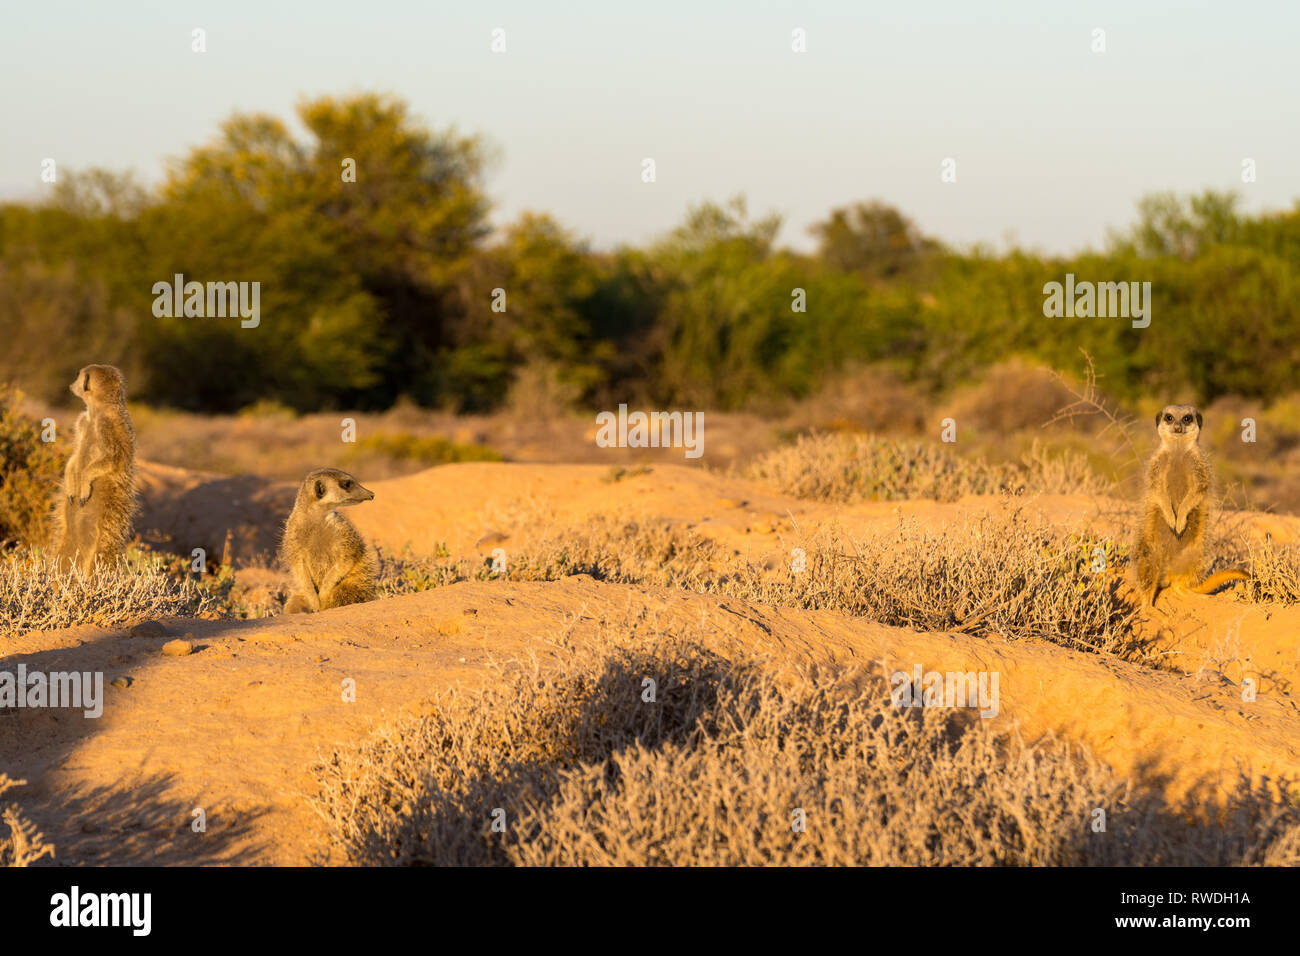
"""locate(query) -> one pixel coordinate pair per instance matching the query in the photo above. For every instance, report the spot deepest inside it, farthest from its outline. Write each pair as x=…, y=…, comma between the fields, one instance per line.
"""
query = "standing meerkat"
x=97, y=503
x=328, y=558
x=1170, y=547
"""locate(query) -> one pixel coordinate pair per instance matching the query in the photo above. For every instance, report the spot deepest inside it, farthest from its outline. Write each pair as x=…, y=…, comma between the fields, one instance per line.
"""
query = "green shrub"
x=429, y=449
x=30, y=472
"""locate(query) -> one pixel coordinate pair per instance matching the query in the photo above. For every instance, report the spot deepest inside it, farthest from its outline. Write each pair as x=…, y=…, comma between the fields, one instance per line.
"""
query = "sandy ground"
x=234, y=728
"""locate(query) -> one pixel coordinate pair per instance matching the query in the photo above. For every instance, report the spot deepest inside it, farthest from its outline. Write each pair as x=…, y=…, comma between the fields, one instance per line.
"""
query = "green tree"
x=1183, y=227
x=357, y=276
x=873, y=239
x=540, y=316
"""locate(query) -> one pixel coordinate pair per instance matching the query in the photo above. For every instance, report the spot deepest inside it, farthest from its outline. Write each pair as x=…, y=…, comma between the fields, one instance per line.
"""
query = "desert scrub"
x=581, y=770
x=852, y=468
x=624, y=551
x=1274, y=566
x=411, y=793
x=405, y=572
x=21, y=844
x=1001, y=573
x=428, y=450
x=30, y=470
x=1274, y=569
x=36, y=595
x=268, y=409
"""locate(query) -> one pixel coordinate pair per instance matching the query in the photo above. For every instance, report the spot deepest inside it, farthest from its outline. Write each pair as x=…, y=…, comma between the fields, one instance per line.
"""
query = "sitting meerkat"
x=97, y=503
x=1169, y=549
x=328, y=558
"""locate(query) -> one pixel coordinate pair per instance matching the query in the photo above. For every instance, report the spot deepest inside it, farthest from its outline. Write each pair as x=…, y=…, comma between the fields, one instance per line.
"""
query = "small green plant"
x=430, y=449
x=409, y=573
x=617, y=473
x=268, y=409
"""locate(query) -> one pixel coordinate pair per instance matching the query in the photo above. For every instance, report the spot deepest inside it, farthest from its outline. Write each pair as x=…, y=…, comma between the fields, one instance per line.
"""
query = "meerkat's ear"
x=85, y=385
x=1158, y=414
x=320, y=488
x=1198, y=420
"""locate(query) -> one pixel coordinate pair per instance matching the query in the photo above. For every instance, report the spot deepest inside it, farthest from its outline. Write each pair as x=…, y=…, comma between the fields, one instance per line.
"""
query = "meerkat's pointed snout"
x=356, y=492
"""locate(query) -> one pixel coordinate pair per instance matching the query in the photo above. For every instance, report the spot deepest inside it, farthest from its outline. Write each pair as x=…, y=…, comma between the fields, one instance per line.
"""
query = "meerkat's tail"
x=1218, y=580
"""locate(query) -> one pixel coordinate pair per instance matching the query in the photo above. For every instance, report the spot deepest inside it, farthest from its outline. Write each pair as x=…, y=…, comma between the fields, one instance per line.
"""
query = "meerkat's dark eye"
x=346, y=485
x=320, y=488
x=1187, y=419
x=1169, y=418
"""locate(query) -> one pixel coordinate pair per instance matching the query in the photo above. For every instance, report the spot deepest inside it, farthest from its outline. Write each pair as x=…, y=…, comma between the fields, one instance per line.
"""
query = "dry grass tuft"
x=577, y=768
x=1274, y=571
x=1003, y=573
x=648, y=551
x=851, y=468
x=405, y=572
x=380, y=800
x=35, y=595
x=1274, y=566
x=1010, y=397
x=21, y=844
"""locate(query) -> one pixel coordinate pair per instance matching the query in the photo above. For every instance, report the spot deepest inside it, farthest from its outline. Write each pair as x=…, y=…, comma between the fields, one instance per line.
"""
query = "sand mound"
x=231, y=728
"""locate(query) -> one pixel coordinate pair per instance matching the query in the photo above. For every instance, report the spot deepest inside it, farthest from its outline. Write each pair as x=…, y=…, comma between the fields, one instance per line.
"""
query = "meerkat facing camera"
x=97, y=503
x=1169, y=549
x=329, y=560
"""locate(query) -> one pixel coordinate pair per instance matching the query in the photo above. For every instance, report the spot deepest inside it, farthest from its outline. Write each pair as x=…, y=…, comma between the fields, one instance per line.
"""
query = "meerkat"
x=1170, y=544
x=97, y=502
x=329, y=560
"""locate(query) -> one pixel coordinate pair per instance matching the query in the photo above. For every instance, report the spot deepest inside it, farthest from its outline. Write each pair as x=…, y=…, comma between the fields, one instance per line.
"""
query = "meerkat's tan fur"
x=1169, y=550
x=97, y=501
x=328, y=558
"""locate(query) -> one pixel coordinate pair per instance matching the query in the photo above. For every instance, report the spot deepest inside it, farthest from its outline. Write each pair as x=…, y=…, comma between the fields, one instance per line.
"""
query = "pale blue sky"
x=1053, y=143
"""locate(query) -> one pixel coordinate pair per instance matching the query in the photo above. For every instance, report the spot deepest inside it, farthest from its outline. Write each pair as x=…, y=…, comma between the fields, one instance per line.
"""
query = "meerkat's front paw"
x=297, y=604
